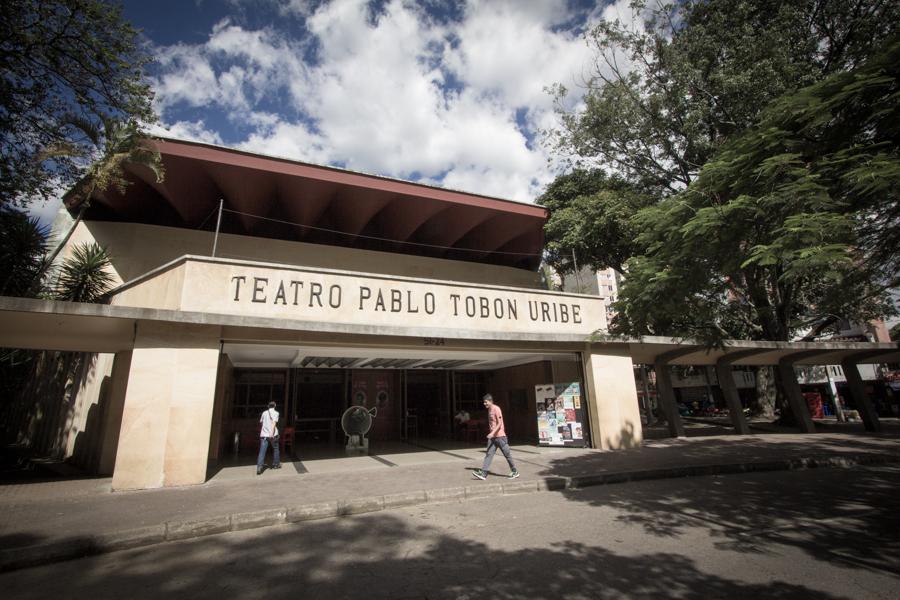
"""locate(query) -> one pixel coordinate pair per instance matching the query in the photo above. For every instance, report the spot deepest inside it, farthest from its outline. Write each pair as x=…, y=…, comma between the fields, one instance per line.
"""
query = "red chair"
x=472, y=431
x=287, y=438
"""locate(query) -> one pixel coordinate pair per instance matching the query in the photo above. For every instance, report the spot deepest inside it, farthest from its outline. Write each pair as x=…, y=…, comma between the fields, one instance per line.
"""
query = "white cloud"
x=187, y=130
x=515, y=52
x=188, y=78
x=377, y=99
x=288, y=140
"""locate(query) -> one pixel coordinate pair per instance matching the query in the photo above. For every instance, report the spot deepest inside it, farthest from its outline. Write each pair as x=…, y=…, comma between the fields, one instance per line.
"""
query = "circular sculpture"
x=357, y=420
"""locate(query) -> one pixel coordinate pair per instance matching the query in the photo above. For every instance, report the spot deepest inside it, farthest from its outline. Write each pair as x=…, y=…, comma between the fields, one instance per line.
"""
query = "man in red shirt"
x=496, y=438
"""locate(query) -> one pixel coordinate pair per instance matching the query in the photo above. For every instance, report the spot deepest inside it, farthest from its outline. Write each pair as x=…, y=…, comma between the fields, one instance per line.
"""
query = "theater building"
x=244, y=278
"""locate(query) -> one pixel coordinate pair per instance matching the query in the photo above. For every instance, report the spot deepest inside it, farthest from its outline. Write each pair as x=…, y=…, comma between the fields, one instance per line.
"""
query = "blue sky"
x=444, y=92
x=449, y=93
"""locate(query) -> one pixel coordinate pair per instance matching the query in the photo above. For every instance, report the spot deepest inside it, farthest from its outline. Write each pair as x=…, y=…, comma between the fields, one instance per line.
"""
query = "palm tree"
x=84, y=276
x=121, y=143
x=23, y=249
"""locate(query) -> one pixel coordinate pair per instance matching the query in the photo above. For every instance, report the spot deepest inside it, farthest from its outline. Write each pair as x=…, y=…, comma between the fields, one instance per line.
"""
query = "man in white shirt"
x=268, y=434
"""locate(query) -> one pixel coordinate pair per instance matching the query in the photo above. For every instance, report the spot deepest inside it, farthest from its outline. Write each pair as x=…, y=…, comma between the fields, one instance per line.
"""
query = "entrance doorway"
x=318, y=399
x=417, y=393
x=427, y=410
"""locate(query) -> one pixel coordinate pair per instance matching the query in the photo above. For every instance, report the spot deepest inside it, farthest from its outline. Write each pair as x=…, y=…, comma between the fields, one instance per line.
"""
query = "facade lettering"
x=296, y=285
x=315, y=292
x=280, y=294
x=334, y=296
x=258, y=288
x=318, y=296
x=238, y=279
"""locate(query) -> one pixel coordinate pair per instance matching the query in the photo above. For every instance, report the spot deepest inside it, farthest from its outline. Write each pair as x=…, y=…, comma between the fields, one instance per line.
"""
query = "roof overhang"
x=277, y=198
x=54, y=325
x=647, y=350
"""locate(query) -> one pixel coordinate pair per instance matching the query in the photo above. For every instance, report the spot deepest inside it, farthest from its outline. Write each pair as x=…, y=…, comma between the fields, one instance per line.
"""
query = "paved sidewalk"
x=58, y=520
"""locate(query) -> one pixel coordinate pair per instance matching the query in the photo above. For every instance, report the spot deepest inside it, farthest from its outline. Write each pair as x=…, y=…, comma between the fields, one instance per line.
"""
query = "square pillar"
x=665, y=395
x=167, y=416
x=113, y=417
x=732, y=398
x=614, y=413
x=860, y=397
x=794, y=397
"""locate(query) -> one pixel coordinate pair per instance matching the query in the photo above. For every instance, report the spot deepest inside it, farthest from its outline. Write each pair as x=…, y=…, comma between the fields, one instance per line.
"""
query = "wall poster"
x=560, y=414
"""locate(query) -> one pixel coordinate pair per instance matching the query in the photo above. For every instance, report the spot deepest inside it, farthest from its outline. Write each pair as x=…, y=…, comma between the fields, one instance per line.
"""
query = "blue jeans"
x=264, y=446
x=492, y=445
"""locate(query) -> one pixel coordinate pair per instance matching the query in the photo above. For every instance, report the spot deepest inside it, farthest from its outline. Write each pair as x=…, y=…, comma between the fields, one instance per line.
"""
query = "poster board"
x=560, y=414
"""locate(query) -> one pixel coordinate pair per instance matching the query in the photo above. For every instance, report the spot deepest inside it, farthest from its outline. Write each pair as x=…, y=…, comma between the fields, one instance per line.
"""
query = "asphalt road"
x=827, y=533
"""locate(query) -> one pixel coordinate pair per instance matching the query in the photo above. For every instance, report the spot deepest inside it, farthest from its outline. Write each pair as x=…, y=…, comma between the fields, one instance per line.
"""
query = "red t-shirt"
x=495, y=417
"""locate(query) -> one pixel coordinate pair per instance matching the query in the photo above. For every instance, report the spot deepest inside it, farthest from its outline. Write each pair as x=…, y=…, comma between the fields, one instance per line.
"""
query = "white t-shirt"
x=268, y=419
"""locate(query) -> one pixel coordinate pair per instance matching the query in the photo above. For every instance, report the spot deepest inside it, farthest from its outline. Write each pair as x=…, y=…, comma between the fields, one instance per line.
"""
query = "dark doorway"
x=425, y=402
x=319, y=399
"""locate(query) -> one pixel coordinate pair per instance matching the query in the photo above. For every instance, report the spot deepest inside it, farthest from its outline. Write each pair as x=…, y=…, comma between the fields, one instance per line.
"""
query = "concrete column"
x=222, y=405
x=645, y=383
x=732, y=399
x=614, y=413
x=858, y=391
x=792, y=390
x=167, y=417
x=665, y=393
x=113, y=417
x=729, y=389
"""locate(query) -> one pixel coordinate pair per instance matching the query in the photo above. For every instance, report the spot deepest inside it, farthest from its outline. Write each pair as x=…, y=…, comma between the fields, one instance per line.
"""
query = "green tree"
x=793, y=222
x=60, y=58
x=591, y=221
x=119, y=144
x=665, y=97
x=84, y=277
x=23, y=249
x=666, y=93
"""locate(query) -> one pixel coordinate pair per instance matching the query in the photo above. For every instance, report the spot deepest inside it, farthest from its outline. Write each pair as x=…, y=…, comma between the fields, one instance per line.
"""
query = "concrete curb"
x=12, y=559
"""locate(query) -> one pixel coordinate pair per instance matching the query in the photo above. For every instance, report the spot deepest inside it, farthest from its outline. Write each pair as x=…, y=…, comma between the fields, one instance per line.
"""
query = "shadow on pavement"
x=372, y=557
x=864, y=507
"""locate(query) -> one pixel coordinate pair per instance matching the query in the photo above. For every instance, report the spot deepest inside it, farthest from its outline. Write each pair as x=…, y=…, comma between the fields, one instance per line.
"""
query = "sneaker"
x=479, y=474
x=259, y=471
x=276, y=466
x=513, y=475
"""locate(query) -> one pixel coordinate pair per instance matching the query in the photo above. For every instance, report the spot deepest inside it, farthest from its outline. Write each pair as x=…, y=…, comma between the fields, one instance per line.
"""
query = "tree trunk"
x=786, y=413
x=766, y=393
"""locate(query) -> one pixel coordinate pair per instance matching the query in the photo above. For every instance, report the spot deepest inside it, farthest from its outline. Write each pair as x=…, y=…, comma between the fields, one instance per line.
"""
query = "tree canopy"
x=62, y=61
x=761, y=137
x=671, y=86
x=793, y=222
x=592, y=220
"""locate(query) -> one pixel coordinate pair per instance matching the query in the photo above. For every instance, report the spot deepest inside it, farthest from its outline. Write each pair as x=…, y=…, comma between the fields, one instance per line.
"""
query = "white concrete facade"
x=166, y=379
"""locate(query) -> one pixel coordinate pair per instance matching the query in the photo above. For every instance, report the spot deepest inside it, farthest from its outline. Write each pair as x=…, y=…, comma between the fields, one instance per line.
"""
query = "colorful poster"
x=559, y=414
x=576, y=431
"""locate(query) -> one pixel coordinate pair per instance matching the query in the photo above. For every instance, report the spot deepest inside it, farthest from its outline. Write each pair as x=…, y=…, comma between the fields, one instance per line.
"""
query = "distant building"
x=603, y=283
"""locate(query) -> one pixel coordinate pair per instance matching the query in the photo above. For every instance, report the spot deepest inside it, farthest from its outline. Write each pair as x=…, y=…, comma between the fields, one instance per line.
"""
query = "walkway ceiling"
x=752, y=353
x=334, y=357
x=282, y=199
x=55, y=325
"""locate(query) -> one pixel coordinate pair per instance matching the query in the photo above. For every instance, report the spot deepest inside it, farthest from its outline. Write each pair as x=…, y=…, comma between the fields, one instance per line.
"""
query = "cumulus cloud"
x=453, y=102
x=195, y=131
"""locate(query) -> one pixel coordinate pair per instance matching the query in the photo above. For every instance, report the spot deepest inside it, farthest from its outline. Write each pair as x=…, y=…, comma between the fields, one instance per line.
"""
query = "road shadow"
x=754, y=513
x=382, y=556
